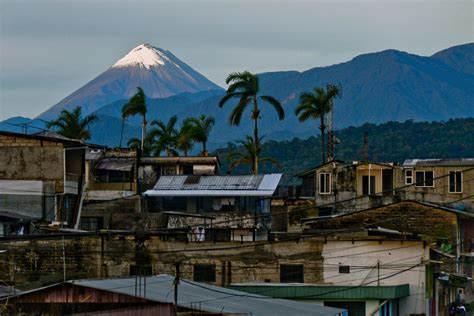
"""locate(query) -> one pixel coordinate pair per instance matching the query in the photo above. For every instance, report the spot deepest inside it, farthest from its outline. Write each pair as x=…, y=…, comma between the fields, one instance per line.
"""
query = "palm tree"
x=148, y=148
x=166, y=135
x=70, y=124
x=136, y=105
x=245, y=87
x=201, y=128
x=186, y=136
x=315, y=105
x=247, y=153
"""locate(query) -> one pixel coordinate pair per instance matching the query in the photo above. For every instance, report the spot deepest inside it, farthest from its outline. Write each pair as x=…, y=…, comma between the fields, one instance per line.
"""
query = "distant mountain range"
x=378, y=87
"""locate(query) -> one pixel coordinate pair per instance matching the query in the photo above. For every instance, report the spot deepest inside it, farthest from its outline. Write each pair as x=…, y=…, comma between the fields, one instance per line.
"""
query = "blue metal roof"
x=209, y=298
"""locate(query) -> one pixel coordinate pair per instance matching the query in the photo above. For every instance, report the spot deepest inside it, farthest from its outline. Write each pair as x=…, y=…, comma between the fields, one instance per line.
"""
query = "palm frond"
x=276, y=105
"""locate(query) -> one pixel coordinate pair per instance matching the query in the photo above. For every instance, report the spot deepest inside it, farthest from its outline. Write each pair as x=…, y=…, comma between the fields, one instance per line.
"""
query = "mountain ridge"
x=389, y=85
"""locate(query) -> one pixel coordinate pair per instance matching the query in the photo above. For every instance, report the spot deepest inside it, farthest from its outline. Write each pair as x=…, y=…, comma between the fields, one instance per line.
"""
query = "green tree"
x=166, y=135
x=314, y=105
x=148, y=149
x=136, y=105
x=247, y=153
x=70, y=124
x=201, y=127
x=244, y=86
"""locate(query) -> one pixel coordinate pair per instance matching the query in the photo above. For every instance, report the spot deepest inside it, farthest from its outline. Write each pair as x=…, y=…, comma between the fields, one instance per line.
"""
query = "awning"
x=117, y=164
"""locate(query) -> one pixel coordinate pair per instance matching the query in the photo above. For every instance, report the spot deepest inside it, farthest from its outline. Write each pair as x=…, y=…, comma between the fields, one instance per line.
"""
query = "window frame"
x=329, y=183
x=344, y=269
x=409, y=177
x=461, y=181
x=423, y=185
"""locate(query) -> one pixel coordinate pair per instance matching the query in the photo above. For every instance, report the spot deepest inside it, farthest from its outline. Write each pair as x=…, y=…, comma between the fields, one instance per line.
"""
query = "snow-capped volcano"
x=157, y=71
x=144, y=55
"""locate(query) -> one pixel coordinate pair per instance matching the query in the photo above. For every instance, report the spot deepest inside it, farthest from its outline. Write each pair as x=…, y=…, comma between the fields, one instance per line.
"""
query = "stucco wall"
x=387, y=261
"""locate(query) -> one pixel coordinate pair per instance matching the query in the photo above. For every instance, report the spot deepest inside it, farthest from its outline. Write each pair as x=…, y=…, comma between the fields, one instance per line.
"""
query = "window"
x=291, y=273
x=344, y=269
x=204, y=273
x=455, y=182
x=424, y=178
x=324, y=183
x=409, y=176
x=366, y=190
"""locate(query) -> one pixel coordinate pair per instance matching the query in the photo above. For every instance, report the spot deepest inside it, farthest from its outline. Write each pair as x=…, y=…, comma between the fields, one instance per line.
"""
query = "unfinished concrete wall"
x=107, y=209
x=31, y=159
x=37, y=262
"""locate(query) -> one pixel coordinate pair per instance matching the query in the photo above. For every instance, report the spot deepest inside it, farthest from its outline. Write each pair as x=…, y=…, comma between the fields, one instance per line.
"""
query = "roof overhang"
x=116, y=164
x=215, y=193
x=325, y=291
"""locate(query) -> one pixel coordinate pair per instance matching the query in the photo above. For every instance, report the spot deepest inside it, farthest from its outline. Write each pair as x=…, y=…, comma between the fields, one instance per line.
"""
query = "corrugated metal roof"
x=252, y=185
x=209, y=298
x=120, y=164
x=450, y=162
x=339, y=292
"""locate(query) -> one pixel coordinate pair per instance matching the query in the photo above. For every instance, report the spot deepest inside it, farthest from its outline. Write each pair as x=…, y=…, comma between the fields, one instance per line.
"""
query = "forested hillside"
x=388, y=142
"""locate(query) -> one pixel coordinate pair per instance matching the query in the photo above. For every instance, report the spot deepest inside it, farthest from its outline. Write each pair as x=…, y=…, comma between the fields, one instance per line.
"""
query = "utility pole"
x=378, y=273
x=176, y=283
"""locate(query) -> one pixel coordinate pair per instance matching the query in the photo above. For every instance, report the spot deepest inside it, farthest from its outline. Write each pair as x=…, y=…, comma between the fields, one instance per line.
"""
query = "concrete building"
x=41, y=178
x=340, y=188
x=216, y=207
x=448, y=231
x=117, y=177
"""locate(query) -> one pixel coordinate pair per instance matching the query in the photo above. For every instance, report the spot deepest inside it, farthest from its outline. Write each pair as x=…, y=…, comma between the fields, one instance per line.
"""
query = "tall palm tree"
x=315, y=105
x=148, y=146
x=247, y=153
x=244, y=86
x=70, y=124
x=166, y=135
x=201, y=128
x=185, y=137
x=136, y=105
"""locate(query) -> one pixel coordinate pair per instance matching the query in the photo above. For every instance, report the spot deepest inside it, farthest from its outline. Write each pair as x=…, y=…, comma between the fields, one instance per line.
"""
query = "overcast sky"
x=50, y=48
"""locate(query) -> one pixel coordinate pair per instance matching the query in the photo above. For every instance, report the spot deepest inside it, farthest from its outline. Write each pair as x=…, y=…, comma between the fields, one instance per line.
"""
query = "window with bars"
x=455, y=182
